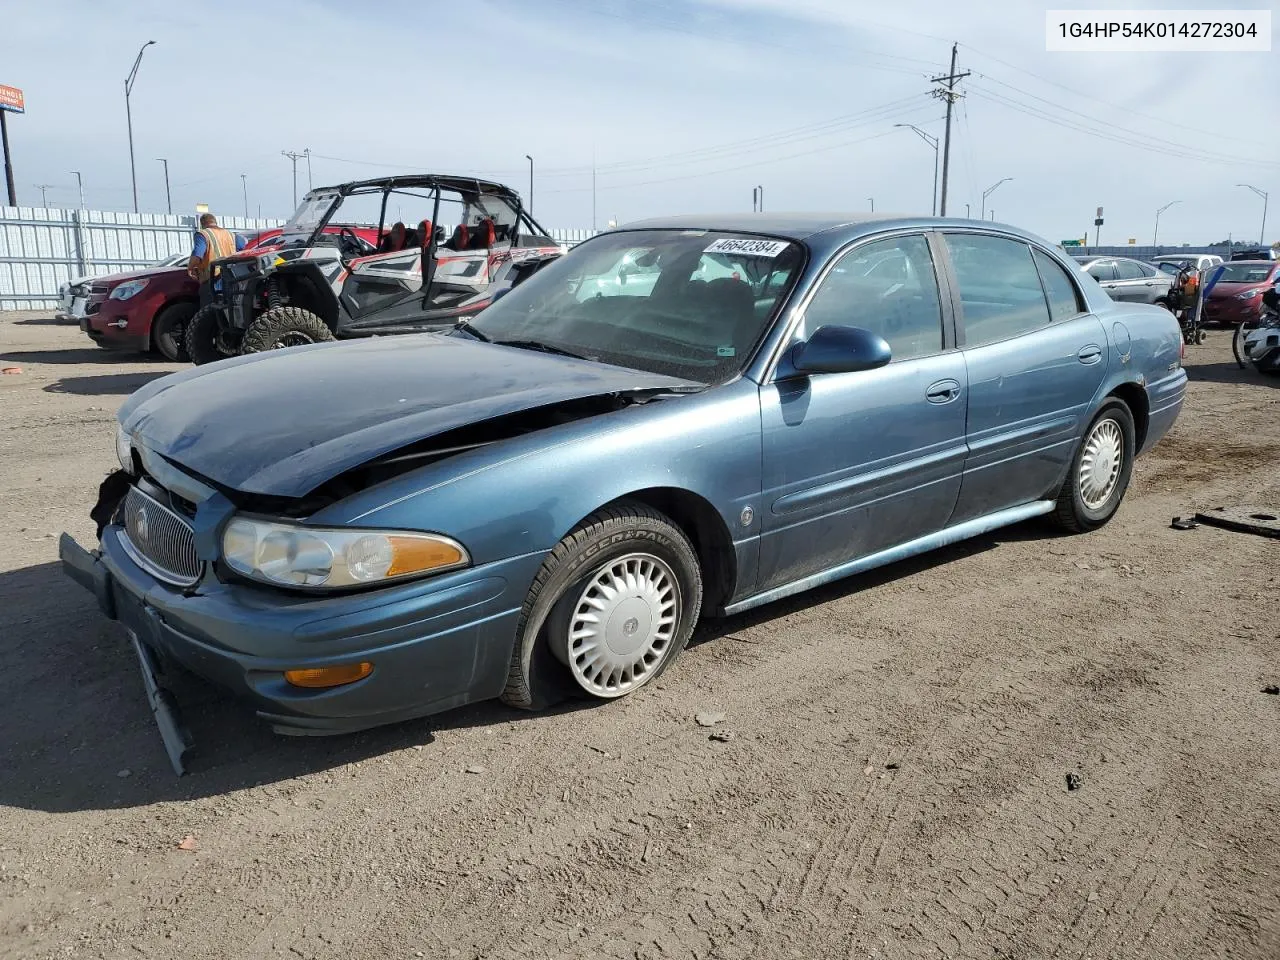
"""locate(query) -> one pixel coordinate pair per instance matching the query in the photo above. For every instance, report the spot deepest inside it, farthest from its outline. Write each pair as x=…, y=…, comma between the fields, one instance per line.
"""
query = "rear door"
x=1104, y=271
x=1034, y=356
x=1132, y=284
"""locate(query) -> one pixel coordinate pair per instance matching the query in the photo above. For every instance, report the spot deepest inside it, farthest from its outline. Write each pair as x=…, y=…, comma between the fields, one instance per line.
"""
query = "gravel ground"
x=889, y=780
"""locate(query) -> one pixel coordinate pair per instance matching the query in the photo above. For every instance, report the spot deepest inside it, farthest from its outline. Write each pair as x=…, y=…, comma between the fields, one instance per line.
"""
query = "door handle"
x=944, y=391
x=1090, y=354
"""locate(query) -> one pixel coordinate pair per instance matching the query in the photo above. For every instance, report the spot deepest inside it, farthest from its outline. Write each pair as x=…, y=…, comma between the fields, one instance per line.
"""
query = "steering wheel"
x=354, y=244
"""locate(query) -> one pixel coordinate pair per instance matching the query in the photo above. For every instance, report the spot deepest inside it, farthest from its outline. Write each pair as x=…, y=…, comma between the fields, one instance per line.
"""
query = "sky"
x=680, y=106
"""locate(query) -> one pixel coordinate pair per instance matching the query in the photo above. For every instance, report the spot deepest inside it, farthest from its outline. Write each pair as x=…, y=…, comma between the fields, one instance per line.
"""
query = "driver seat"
x=394, y=240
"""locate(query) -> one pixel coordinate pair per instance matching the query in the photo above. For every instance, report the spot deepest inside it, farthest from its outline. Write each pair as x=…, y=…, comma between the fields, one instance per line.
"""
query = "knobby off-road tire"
x=626, y=574
x=202, y=336
x=169, y=331
x=282, y=327
x=1100, y=470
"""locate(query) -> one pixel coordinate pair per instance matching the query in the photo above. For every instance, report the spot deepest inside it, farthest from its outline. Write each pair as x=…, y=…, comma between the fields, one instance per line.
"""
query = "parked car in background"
x=1172, y=263
x=1129, y=281
x=1237, y=296
x=1254, y=253
x=350, y=534
x=148, y=310
x=73, y=296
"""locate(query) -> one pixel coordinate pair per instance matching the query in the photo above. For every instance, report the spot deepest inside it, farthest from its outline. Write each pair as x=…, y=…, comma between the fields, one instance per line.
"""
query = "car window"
x=1000, y=292
x=1059, y=290
x=1147, y=269
x=1128, y=270
x=685, y=303
x=1102, y=270
x=888, y=287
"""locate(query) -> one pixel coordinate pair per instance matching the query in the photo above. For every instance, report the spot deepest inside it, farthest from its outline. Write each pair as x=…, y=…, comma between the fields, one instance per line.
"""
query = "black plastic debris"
x=1184, y=523
x=1262, y=521
x=1274, y=691
x=1073, y=781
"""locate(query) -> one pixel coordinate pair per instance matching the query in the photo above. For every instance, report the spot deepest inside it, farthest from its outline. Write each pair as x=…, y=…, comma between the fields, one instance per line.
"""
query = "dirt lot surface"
x=892, y=779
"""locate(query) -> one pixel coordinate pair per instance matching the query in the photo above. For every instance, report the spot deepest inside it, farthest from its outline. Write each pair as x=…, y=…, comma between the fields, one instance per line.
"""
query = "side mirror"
x=838, y=349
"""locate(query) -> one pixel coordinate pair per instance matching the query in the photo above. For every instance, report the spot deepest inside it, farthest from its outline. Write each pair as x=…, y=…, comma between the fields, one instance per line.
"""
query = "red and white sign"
x=11, y=99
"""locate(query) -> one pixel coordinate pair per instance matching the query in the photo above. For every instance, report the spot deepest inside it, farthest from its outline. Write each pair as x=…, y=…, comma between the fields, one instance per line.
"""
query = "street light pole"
x=168, y=198
x=530, y=159
x=1262, y=235
x=128, y=112
x=245, y=188
x=80, y=185
x=933, y=142
x=1155, y=242
x=987, y=192
x=873, y=203
x=44, y=200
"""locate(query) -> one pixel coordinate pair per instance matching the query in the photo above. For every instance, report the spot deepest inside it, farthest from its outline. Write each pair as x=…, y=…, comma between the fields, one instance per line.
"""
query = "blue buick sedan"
x=680, y=417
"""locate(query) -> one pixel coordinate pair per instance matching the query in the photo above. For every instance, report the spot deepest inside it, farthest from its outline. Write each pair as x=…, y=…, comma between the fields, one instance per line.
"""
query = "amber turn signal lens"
x=411, y=555
x=329, y=676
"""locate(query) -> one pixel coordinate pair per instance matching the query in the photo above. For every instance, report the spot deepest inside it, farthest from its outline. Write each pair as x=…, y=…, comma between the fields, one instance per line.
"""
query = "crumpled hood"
x=282, y=423
x=114, y=279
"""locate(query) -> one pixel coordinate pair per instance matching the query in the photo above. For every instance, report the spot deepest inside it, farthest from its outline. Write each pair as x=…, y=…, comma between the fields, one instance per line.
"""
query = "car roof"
x=807, y=226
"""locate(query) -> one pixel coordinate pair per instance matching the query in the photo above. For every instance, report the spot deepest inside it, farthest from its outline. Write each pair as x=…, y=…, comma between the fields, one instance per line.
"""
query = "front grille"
x=159, y=539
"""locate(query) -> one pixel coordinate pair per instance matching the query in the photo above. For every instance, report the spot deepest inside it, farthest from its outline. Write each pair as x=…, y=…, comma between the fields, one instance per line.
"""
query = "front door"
x=857, y=462
x=1035, y=358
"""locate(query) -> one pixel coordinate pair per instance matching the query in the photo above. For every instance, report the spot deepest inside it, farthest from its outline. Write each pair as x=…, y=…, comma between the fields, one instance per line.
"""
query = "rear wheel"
x=169, y=331
x=282, y=327
x=205, y=337
x=1237, y=343
x=1100, y=471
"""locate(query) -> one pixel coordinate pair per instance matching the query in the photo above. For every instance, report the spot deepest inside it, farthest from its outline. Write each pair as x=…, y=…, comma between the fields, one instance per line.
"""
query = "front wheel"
x=611, y=608
x=1100, y=470
x=206, y=338
x=1237, y=343
x=282, y=327
x=169, y=331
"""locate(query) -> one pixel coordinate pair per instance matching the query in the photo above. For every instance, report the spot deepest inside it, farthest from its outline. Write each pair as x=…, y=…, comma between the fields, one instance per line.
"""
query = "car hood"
x=1224, y=289
x=282, y=423
x=147, y=272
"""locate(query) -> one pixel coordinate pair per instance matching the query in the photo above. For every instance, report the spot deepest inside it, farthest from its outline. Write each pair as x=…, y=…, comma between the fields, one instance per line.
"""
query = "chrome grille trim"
x=159, y=539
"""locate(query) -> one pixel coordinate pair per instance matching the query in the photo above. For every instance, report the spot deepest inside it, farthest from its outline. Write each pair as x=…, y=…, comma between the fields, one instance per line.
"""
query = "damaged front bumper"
x=435, y=644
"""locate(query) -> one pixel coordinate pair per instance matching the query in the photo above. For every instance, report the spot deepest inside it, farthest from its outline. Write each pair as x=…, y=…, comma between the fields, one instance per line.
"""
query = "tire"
x=169, y=331
x=1162, y=302
x=1079, y=508
x=628, y=536
x=282, y=327
x=202, y=336
x=1237, y=344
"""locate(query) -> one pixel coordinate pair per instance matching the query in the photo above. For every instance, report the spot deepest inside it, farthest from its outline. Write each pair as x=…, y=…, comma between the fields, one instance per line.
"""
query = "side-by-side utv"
x=419, y=276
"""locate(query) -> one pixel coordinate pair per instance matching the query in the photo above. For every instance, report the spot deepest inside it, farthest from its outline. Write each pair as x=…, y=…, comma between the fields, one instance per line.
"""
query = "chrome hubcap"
x=1101, y=462
x=623, y=625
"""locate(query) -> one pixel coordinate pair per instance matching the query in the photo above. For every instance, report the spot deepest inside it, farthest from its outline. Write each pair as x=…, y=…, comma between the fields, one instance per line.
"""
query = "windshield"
x=1245, y=273
x=685, y=303
x=314, y=208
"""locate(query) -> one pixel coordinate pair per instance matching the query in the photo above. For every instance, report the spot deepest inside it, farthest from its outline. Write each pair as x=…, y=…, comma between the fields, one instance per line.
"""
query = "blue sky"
x=684, y=106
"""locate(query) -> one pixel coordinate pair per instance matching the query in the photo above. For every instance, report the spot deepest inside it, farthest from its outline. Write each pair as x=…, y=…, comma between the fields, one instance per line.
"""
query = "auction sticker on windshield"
x=750, y=248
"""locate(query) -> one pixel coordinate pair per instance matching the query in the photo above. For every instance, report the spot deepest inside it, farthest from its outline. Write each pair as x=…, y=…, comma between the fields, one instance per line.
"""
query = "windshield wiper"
x=542, y=347
x=466, y=326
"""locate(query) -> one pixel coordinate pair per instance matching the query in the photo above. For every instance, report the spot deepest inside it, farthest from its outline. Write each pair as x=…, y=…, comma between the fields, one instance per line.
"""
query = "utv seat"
x=394, y=239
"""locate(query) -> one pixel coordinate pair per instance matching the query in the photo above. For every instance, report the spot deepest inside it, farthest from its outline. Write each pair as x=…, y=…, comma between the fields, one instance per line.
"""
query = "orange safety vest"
x=218, y=243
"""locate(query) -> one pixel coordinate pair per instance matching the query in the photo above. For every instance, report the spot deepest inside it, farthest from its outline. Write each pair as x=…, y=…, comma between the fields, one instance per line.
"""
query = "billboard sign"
x=11, y=99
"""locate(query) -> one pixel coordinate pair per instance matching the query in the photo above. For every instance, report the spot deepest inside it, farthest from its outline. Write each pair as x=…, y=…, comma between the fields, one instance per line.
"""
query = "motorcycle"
x=1259, y=343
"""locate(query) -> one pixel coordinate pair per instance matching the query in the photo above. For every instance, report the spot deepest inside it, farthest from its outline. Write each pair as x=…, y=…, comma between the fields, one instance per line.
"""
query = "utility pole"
x=948, y=93
x=128, y=89
x=294, y=157
x=43, y=187
x=80, y=184
x=307, y=153
x=168, y=197
x=244, y=187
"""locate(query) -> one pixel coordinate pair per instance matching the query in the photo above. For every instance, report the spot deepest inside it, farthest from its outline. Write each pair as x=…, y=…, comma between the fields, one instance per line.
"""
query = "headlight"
x=127, y=289
x=124, y=448
x=1249, y=294
x=291, y=555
